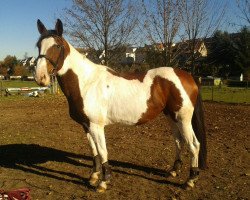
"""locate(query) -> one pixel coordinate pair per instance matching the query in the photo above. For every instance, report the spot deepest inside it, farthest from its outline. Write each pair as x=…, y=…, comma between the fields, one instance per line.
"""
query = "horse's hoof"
x=189, y=184
x=173, y=173
x=93, y=182
x=102, y=187
x=94, y=179
x=187, y=187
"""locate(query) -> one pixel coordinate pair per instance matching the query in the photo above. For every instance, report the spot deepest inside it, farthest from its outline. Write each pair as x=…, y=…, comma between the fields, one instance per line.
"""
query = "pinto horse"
x=98, y=96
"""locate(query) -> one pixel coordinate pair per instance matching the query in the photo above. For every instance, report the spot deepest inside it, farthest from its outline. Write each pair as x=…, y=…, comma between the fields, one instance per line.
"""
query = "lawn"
x=17, y=83
x=226, y=94
x=213, y=93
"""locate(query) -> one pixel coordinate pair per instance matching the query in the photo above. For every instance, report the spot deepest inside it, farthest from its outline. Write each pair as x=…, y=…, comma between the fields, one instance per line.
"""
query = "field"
x=43, y=149
x=226, y=94
x=218, y=94
x=17, y=83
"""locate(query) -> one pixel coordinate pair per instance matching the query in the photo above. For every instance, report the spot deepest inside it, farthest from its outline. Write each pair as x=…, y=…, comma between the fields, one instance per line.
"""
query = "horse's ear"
x=59, y=27
x=41, y=28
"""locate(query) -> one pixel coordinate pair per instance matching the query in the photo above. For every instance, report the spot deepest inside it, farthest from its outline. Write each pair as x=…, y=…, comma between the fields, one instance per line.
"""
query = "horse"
x=98, y=96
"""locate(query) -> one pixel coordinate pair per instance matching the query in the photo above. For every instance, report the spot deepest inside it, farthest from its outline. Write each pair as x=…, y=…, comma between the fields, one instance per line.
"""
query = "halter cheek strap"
x=54, y=64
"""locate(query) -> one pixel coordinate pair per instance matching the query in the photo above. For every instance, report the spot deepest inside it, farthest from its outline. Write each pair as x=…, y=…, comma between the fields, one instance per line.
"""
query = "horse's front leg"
x=97, y=133
x=96, y=171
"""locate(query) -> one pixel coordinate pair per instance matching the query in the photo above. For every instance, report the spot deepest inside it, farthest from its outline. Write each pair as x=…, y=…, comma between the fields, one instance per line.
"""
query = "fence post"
x=54, y=85
x=212, y=93
x=1, y=88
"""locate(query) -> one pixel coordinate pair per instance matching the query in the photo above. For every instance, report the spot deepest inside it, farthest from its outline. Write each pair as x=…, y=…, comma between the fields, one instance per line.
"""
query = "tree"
x=103, y=25
x=221, y=53
x=244, y=8
x=242, y=59
x=230, y=53
x=162, y=22
x=8, y=65
x=200, y=19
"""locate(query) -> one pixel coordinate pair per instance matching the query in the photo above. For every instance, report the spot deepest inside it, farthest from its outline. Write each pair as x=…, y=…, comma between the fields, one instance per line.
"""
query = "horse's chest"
x=76, y=111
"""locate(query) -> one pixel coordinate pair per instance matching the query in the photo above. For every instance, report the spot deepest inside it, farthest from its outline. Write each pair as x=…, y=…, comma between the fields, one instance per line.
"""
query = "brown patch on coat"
x=164, y=97
x=69, y=84
x=57, y=52
x=129, y=76
x=188, y=84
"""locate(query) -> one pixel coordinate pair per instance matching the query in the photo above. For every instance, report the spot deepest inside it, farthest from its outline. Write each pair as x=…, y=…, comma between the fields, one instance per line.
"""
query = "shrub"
x=231, y=83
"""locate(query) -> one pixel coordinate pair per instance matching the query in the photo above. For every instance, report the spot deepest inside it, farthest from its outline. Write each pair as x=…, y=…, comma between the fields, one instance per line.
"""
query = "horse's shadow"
x=27, y=157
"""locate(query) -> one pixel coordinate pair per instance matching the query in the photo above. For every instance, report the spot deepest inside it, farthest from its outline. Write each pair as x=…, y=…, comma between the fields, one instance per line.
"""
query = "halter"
x=54, y=64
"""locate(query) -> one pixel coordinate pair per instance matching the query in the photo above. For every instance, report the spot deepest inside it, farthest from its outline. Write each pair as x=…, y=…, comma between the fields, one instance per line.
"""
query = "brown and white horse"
x=98, y=96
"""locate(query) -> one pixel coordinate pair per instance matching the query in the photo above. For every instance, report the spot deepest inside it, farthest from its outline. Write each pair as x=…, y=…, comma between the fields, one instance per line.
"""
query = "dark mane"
x=49, y=33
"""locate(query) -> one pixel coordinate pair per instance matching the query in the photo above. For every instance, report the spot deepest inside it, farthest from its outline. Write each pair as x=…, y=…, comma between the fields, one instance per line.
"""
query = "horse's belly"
x=128, y=113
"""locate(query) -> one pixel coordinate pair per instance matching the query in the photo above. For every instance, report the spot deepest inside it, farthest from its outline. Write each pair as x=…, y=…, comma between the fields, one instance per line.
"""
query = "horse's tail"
x=199, y=130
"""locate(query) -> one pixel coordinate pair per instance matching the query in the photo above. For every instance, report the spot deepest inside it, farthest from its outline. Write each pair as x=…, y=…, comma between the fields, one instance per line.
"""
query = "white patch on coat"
x=42, y=76
x=111, y=99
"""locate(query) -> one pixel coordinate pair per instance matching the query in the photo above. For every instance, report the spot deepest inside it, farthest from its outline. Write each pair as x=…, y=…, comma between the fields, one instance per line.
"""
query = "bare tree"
x=104, y=25
x=200, y=19
x=244, y=8
x=162, y=25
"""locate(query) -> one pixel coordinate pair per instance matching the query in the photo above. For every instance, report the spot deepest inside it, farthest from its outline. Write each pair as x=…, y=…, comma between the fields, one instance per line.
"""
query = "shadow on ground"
x=27, y=157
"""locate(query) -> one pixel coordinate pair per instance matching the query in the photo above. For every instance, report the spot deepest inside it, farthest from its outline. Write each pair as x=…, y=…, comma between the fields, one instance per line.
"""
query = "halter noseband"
x=54, y=64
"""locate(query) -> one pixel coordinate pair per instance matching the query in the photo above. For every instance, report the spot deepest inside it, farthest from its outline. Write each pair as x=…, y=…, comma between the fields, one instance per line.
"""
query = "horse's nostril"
x=43, y=77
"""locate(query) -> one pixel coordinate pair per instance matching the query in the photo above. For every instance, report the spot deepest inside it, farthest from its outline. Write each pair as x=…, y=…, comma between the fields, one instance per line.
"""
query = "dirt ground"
x=43, y=149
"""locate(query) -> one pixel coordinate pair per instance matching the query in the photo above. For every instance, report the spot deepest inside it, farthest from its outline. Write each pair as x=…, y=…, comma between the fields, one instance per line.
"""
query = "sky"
x=18, y=29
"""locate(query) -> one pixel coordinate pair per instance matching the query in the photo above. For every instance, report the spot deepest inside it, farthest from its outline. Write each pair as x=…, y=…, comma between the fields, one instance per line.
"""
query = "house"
x=135, y=55
x=28, y=61
x=184, y=48
x=130, y=52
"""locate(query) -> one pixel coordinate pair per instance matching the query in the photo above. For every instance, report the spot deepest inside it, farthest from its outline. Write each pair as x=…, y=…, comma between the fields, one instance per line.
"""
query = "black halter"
x=54, y=64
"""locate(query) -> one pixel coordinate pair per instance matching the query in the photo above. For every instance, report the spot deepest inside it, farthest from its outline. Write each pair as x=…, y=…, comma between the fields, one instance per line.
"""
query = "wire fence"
x=226, y=94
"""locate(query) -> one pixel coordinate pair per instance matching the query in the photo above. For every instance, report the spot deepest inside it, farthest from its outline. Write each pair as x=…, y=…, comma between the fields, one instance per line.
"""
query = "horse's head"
x=53, y=50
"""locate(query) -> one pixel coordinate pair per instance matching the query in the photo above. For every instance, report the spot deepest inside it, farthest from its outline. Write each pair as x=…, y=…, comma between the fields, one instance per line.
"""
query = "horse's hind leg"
x=187, y=132
x=179, y=142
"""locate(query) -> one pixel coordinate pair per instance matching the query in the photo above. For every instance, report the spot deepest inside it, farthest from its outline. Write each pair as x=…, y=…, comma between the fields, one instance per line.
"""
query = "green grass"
x=17, y=83
x=226, y=94
x=213, y=93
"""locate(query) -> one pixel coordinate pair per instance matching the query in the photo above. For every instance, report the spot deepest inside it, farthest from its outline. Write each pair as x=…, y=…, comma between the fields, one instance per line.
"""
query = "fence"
x=233, y=91
x=209, y=92
x=14, y=87
x=226, y=94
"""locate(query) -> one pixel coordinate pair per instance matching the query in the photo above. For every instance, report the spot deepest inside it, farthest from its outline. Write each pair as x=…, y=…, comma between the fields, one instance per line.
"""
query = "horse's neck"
x=77, y=70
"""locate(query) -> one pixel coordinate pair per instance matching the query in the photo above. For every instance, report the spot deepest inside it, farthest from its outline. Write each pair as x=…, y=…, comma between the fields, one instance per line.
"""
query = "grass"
x=226, y=94
x=213, y=93
x=17, y=83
